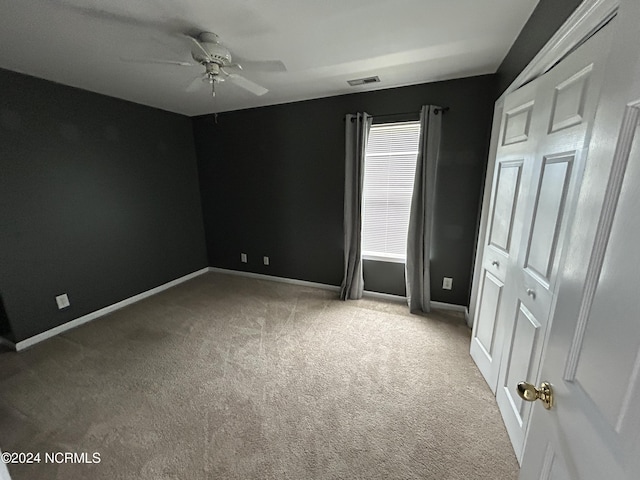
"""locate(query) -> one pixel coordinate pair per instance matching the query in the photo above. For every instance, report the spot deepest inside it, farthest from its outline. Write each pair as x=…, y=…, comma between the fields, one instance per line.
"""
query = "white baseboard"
x=260, y=276
x=454, y=308
x=104, y=311
x=136, y=298
x=304, y=283
x=449, y=306
x=367, y=293
x=385, y=296
x=435, y=305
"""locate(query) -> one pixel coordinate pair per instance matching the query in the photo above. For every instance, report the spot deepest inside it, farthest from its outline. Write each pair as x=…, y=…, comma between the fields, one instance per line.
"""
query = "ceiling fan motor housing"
x=217, y=52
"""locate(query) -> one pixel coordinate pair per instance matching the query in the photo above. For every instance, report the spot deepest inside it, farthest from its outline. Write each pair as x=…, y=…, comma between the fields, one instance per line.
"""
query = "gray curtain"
x=357, y=132
x=421, y=215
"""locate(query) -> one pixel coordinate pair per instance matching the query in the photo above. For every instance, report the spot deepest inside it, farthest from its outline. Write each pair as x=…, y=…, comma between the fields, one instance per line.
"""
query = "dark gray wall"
x=384, y=277
x=548, y=16
x=5, y=328
x=272, y=182
x=99, y=200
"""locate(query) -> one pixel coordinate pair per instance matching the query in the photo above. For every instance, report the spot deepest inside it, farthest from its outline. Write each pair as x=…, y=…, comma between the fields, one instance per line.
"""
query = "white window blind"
x=389, y=171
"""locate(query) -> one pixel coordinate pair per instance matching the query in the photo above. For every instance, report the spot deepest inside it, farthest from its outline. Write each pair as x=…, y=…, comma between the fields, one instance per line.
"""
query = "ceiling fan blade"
x=194, y=85
x=177, y=47
x=247, y=84
x=262, y=66
x=200, y=47
x=156, y=61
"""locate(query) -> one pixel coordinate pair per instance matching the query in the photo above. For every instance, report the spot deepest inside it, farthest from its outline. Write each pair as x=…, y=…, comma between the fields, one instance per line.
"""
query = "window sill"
x=383, y=258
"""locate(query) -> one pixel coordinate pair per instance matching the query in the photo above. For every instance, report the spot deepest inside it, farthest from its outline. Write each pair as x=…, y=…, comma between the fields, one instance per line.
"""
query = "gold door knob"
x=530, y=393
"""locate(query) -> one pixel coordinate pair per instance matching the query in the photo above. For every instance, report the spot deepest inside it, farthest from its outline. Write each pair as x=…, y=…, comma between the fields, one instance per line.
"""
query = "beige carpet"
x=232, y=378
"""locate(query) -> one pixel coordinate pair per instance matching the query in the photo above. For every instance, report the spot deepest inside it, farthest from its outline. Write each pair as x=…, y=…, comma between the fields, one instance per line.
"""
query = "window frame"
x=381, y=256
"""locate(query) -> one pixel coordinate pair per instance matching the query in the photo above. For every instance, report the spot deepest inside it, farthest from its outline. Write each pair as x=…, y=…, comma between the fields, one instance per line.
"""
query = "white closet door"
x=539, y=167
x=592, y=359
x=512, y=174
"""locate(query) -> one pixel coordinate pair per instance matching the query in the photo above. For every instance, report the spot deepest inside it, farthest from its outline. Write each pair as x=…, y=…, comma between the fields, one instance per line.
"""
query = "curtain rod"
x=435, y=110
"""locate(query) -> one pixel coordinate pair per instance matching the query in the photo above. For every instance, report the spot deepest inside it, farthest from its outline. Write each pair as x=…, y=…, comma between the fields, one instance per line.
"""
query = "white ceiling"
x=322, y=43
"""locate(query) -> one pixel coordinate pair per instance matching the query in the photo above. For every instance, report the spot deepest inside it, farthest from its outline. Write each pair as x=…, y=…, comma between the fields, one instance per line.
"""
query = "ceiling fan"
x=208, y=51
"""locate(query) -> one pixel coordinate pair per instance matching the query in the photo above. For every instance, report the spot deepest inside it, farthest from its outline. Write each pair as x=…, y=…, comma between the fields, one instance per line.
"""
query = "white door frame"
x=4, y=473
x=586, y=19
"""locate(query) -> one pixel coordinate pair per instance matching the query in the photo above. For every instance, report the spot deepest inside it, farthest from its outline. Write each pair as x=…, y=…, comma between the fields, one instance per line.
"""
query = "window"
x=389, y=171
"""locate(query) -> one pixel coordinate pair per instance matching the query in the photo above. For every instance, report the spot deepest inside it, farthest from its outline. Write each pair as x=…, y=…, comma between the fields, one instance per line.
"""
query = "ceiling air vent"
x=363, y=81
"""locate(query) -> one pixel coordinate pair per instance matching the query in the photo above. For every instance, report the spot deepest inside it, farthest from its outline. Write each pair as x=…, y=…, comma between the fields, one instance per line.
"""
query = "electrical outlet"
x=62, y=301
x=265, y=260
x=447, y=283
x=243, y=257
